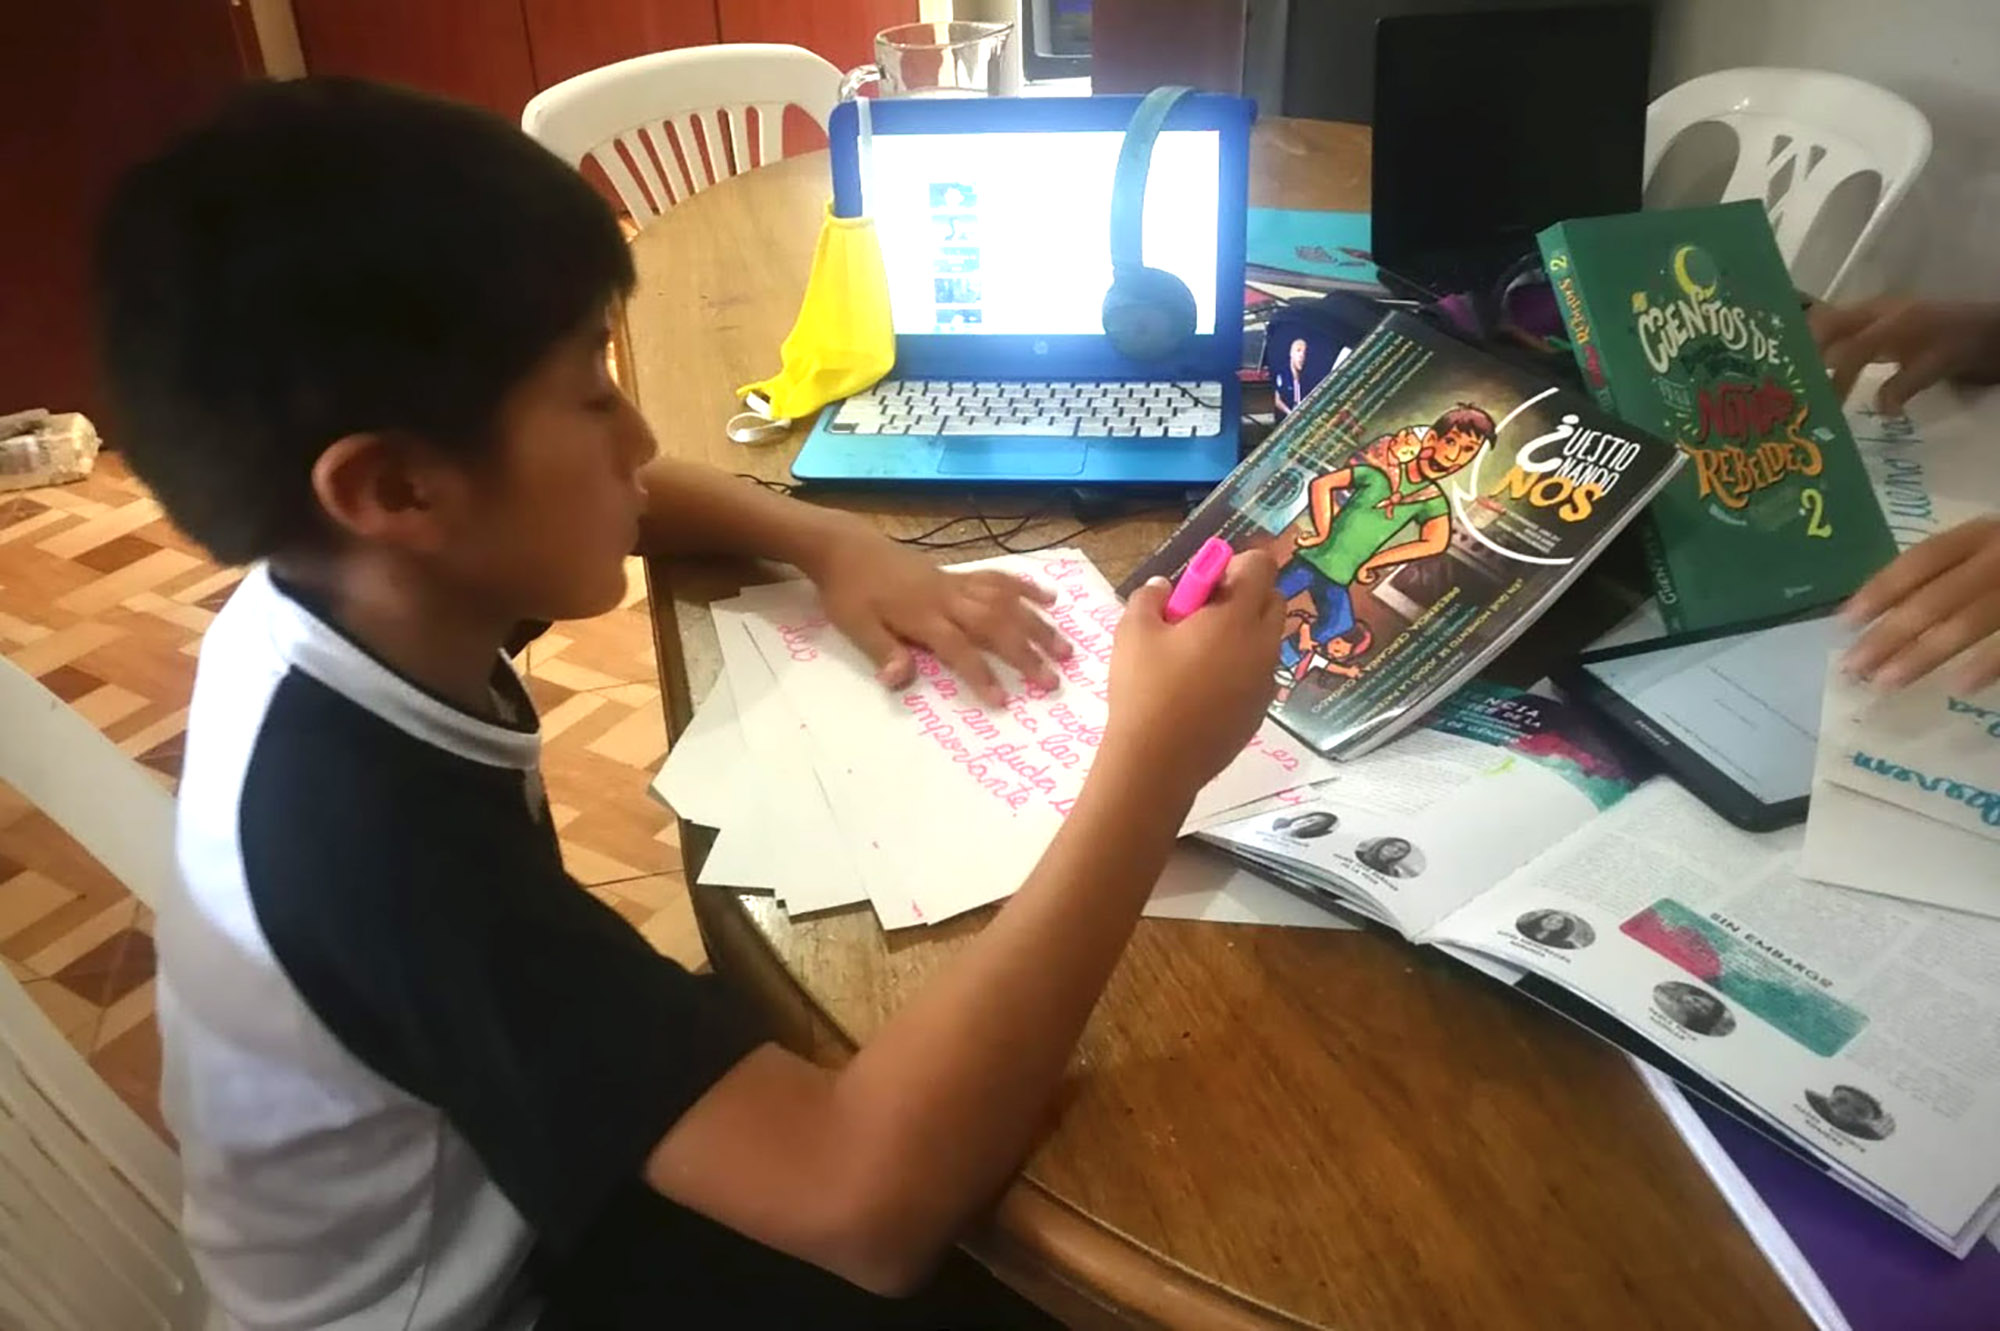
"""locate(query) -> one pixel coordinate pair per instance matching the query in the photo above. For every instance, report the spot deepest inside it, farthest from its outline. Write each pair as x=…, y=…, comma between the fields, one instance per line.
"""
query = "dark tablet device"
x=1732, y=714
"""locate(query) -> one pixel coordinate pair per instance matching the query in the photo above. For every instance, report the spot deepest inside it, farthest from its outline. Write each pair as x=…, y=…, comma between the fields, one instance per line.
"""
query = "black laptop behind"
x=1491, y=126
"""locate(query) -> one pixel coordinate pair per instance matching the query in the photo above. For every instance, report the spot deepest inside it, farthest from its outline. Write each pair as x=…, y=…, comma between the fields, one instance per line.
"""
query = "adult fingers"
x=1913, y=568
x=1904, y=643
x=1916, y=374
x=1847, y=357
x=1971, y=623
x=1830, y=323
x=1979, y=668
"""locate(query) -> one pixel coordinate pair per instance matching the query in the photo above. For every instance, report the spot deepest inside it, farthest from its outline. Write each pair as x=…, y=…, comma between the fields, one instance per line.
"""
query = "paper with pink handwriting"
x=960, y=799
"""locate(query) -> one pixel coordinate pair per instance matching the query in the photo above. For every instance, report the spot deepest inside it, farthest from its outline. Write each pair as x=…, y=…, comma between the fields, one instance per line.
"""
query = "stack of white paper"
x=829, y=790
x=1906, y=794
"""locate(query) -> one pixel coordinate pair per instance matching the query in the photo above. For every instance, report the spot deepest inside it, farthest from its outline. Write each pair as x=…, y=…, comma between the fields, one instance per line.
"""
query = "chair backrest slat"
x=89, y=1194
x=681, y=117
x=1800, y=134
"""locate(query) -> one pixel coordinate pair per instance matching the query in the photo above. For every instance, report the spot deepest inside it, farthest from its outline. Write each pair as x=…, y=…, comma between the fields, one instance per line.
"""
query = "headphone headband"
x=1128, y=182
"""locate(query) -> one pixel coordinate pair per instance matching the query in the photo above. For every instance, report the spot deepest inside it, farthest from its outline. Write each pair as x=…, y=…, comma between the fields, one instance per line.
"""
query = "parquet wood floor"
x=105, y=602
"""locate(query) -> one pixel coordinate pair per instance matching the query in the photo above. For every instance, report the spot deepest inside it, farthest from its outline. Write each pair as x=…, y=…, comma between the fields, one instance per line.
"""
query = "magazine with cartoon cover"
x=1425, y=504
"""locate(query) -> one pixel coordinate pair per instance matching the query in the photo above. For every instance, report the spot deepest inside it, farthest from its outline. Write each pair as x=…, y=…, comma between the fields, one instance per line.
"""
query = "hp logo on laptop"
x=1041, y=347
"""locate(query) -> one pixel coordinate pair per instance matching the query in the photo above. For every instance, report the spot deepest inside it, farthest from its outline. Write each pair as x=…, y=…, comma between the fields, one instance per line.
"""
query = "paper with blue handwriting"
x=1934, y=466
x=1926, y=748
x=1903, y=800
x=1854, y=840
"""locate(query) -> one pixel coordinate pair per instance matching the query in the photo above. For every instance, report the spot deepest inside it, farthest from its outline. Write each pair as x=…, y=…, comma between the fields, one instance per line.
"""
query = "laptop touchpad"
x=1012, y=458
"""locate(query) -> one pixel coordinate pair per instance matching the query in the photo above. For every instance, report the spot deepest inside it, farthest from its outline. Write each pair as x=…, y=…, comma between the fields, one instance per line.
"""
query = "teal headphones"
x=1148, y=312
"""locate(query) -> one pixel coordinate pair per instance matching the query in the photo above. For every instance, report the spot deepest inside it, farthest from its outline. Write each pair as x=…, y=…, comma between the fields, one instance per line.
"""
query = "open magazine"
x=1862, y=1030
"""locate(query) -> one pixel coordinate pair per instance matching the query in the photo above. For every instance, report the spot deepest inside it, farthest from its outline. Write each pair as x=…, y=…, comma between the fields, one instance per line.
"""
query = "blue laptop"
x=999, y=219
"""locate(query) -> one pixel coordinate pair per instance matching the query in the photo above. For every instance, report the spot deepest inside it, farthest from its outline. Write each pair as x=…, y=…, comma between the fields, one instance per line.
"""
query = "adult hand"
x=1938, y=599
x=1929, y=340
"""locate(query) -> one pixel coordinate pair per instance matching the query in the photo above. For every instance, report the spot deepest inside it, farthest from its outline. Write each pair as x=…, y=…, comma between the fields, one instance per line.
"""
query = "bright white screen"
x=1749, y=704
x=1010, y=233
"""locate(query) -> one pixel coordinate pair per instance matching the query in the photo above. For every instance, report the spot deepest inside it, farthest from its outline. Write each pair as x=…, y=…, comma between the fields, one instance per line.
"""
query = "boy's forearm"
x=692, y=509
x=956, y=1087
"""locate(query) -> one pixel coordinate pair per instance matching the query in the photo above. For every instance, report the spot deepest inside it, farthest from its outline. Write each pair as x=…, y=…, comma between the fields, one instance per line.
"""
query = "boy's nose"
x=640, y=446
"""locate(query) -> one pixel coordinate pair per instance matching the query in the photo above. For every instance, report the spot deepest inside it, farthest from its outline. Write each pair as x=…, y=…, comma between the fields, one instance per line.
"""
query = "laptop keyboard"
x=1084, y=408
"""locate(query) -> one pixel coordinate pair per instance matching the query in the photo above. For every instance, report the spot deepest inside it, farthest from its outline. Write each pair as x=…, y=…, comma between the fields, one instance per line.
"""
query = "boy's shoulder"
x=310, y=759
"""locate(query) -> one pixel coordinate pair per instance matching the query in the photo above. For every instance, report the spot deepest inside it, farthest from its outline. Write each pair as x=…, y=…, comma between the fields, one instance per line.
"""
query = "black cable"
x=785, y=488
x=1012, y=525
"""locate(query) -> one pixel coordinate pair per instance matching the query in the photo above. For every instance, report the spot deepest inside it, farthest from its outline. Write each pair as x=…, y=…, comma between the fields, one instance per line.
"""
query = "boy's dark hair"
x=326, y=257
x=1465, y=419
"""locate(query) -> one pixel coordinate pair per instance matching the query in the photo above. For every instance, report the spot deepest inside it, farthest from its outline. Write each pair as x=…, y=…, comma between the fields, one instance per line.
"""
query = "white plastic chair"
x=1800, y=134
x=643, y=114
x=89, y=1195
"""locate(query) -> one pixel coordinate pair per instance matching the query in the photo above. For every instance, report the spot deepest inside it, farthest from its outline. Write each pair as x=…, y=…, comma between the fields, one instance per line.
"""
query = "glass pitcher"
x=939, y=60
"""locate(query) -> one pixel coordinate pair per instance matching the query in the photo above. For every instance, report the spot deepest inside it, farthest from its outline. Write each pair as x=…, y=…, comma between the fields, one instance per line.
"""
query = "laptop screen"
x=1009, y=232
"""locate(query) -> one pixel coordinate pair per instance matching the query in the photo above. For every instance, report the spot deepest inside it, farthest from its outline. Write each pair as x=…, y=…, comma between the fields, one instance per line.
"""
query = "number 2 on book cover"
x=1813, y=505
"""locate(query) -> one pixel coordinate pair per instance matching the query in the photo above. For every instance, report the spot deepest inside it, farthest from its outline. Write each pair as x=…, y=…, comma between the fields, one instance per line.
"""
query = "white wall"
x=1943, y=55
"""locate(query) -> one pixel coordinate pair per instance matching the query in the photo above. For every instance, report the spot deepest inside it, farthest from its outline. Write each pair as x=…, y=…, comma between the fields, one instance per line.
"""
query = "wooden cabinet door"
x=843, y=31
x=567, y=37
x=92, y=86
x=475, y=50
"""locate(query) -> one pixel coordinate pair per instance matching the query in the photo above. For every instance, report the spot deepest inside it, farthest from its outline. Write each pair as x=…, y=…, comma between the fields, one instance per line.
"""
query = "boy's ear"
x=382, y=487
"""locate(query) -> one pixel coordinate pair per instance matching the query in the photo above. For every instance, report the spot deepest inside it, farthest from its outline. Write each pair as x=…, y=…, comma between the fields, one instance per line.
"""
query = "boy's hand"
x=1187, y=697
x=1938, y=598
x=887, y=600
x=1929, y=340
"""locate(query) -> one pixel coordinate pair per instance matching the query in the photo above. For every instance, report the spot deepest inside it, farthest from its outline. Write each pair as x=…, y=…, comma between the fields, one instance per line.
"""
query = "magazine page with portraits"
x=1412, y=831
x=1864, y=1029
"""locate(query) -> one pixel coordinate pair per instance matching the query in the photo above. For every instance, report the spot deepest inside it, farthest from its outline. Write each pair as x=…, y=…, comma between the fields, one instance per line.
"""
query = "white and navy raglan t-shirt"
x=403, y=1049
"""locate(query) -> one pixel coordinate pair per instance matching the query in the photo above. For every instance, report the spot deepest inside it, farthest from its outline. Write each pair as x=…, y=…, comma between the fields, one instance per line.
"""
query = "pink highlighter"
x=1198, y=579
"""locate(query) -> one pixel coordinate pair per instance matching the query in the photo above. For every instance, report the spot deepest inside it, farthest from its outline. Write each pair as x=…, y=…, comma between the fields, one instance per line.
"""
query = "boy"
x=419, y=1078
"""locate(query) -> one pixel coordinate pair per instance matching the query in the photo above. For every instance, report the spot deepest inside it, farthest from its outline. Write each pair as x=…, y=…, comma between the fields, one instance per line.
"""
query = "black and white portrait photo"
x=1693, y=1008
x=1306, y=826
x=1391, y=856
x=1853, y=1111
x=1556, y=928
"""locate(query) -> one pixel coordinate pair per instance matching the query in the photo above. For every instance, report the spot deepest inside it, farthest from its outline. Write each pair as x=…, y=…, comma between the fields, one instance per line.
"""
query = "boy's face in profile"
x=547, y=520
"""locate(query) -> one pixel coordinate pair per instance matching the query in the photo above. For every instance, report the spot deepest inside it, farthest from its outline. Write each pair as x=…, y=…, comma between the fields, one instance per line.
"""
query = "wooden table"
x=1264, y=1127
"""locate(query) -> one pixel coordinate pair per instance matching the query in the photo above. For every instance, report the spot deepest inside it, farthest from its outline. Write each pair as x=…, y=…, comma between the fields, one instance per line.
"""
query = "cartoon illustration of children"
x=1391, y=483
x=1336, y=656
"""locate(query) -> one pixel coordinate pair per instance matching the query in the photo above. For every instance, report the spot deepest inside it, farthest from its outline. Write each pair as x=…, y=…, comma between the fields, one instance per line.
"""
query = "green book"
x=1685, y=324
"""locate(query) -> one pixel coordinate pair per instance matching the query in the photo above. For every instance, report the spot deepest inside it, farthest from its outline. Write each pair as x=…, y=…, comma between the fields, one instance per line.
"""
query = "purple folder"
x=1883, y=1276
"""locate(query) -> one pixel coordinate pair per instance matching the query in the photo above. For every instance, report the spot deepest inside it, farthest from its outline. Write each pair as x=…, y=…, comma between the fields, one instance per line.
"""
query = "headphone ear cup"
x=1148, y=314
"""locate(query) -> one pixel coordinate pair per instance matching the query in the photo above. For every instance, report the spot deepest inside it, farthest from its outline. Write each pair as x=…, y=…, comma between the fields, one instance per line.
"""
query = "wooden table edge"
x=1083, y=1271
x=1086, y=1272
